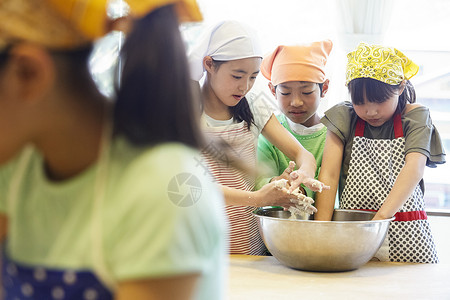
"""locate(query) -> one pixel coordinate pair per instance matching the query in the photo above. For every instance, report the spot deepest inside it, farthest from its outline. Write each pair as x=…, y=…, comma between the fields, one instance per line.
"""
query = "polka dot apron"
x=374, y=167
x=34, y=282
x=21, y=281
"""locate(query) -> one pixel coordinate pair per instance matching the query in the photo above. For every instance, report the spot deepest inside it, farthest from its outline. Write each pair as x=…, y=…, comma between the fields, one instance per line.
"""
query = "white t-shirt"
x=303, y=130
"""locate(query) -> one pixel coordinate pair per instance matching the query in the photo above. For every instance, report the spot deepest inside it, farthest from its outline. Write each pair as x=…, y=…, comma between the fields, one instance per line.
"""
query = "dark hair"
x=4, y=55
x=378, y=92
x=321, y=88
x=72, y=66
x=241, y=111
x=155, y=101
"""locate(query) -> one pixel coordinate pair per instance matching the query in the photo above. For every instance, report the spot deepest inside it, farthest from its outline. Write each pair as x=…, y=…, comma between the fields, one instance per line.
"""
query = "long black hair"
x=4, y=55
x=378, y=92
x=155, y=101
x=241, y=111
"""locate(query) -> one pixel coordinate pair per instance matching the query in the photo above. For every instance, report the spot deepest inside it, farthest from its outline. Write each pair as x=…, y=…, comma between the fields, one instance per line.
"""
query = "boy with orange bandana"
x=298, y=82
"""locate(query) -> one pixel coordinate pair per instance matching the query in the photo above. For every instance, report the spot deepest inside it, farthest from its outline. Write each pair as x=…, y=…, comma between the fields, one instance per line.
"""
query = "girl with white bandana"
x=229, y=57
x=376, y=150
x=103, y=199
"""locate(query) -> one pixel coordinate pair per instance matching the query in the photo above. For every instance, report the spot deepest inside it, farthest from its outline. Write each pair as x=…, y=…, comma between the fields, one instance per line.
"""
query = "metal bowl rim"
x=314, y=221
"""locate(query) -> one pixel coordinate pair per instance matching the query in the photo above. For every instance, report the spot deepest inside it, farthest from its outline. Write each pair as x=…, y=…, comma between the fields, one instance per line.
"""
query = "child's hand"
x=275, y=193
x=300, y=201
x=299, y=211
x=302, y=204
x=286, y=173
x=314, y=185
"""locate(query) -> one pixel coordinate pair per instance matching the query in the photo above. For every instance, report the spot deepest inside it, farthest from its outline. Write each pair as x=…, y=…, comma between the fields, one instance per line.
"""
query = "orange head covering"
x=66, y=24
x=297, y=63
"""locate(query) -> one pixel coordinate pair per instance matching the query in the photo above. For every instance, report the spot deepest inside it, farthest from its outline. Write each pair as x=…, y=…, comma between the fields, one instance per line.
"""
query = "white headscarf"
x=228, y=40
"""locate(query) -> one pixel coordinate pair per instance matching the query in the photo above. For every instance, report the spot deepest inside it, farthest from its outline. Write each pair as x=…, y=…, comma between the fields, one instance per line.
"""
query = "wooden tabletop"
x=263, y=277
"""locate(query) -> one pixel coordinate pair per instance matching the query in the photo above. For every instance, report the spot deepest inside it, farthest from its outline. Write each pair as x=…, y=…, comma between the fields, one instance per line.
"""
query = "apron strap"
x=398, y=127
x=360, y=124
x=411, y=215
x=406, y=215
x=100, y=186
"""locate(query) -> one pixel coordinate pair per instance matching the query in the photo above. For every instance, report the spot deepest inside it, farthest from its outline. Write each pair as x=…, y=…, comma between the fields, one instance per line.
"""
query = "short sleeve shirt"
x=276, y=162
x=161, y=216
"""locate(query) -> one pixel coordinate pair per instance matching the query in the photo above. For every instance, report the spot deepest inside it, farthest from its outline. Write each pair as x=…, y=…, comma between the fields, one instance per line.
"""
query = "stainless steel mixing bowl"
x=347, y=242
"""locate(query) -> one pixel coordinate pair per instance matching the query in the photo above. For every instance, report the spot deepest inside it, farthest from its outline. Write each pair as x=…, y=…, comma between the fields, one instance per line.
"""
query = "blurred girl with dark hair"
x=102, y=199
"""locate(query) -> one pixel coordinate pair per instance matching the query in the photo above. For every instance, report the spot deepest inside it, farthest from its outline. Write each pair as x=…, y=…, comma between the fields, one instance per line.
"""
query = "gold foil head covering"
x=187, y=10
x=384, y=64
x=39, y=22
x=67, y=24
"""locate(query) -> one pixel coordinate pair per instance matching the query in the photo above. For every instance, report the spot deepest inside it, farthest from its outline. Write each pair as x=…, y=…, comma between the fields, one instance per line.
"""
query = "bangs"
x=370, y=89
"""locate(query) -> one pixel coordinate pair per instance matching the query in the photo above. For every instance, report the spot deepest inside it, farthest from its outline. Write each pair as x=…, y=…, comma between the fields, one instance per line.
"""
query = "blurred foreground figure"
x=103, y=200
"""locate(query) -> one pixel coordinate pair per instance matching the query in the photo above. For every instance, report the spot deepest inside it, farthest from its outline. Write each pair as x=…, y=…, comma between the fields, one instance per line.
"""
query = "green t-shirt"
x=274, y=161
x=142, y=230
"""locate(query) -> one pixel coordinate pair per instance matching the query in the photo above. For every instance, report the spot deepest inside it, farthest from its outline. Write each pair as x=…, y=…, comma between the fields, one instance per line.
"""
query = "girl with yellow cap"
x=376, y=150
x=228, y=58
x=103, y=200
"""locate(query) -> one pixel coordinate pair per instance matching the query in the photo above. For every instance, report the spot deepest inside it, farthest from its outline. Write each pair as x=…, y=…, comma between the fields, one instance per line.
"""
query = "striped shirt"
x=244, y=234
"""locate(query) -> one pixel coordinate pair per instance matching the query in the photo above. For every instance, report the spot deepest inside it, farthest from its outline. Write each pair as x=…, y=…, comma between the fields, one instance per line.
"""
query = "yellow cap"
x=88, y=16
x=187, y=10
x=65, y=24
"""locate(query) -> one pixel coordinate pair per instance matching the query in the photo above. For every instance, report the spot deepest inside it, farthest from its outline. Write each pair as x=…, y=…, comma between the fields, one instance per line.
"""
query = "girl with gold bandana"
x=93, y=195
x=376, y=150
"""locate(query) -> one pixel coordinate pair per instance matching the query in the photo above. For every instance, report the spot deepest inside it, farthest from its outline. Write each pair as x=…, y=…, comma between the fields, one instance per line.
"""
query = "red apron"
x=374, y=167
